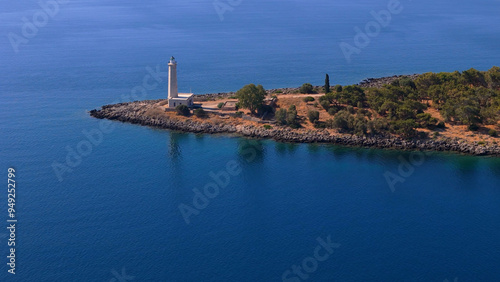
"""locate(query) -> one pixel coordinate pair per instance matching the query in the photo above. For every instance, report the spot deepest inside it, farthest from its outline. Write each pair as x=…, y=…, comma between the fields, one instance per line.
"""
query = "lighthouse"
x=174, y=97
x=172, y=78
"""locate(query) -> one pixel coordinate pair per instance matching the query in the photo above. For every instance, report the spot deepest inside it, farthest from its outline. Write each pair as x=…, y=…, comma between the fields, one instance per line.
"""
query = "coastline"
x=146, y=113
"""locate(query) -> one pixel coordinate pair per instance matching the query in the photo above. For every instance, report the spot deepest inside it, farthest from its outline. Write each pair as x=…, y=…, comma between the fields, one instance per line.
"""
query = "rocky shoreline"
x=137, y=113
x=379, y=82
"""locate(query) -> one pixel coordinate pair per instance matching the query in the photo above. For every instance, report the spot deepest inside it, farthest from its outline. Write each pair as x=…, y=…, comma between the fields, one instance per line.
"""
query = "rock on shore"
x=137, y=113
x=379, y=82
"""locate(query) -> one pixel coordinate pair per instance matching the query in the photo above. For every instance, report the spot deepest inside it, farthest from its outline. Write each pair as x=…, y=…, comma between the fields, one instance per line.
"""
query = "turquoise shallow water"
x=117, y=210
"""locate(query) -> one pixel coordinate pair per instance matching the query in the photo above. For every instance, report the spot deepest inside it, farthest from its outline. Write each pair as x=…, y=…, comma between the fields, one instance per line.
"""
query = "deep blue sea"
x=109, y=210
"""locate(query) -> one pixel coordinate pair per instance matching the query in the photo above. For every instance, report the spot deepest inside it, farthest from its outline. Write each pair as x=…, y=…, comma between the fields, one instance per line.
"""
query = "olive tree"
x=251, y=97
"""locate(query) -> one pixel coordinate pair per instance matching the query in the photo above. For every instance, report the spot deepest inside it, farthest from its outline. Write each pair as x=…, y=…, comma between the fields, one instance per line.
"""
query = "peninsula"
x=457, y=112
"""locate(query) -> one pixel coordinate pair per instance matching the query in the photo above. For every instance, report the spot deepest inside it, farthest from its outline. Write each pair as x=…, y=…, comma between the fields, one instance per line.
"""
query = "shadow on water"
x=199, y=137
x=283, y=149
x=251, y=150
x=342, y=152
x=465, y=165
x=314, y=148
x=254, y=151
x=173, y=145
x=494, y=165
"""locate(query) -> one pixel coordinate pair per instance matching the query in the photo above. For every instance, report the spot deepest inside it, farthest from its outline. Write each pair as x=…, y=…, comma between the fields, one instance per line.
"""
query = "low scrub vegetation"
x=306, y=88
x=313, y=116
x=200, y=113
x=182, y=110
x=287, y=117
x=308, y=99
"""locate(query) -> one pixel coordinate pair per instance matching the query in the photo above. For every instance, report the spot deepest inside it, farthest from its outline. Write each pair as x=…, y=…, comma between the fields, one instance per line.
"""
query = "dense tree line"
x=470, y=98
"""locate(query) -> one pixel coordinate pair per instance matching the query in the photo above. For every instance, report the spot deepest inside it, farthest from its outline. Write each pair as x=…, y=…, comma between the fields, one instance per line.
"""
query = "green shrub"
x=280, y=116
x=238, y=114
x=350, y=109
x=308, y=99
x=306, y=88
x=343, y=120
x=200, y=113
x=407, y=82
x=440, y=125
x=378, y=126
x=346, y=122
x=267, y=126
x=325, y=104
x=473, y=127
x=320, y=125
x=183, y=110
x=426, y=120
x=313, y=116
x=368, y=114
x=492, y=133
x=220, y=105
x=423, y=135
x=332, y=111
x=329, y=97
x=360, y=125
x=351, y=95
x=405, y=128
x=291, y=117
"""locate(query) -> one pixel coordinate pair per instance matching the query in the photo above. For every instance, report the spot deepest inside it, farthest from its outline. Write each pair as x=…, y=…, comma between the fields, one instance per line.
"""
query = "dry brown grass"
x=461, y=131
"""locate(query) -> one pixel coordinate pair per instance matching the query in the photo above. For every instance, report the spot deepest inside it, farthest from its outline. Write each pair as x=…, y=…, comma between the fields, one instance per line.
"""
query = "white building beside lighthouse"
x=174, y=98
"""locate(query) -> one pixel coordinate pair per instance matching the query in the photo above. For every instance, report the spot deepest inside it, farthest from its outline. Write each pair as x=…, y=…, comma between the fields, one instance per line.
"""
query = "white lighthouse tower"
x=172, y=79
x=174, y=98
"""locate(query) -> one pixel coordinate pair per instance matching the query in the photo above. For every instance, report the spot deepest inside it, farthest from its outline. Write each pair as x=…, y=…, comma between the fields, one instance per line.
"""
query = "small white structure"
x=174, y=98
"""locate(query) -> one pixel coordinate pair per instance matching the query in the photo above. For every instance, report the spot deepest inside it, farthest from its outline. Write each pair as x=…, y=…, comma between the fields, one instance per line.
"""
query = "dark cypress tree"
x=327, y=83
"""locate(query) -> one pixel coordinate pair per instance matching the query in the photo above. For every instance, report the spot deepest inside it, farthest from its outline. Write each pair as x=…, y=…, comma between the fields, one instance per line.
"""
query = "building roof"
x=183, y=96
